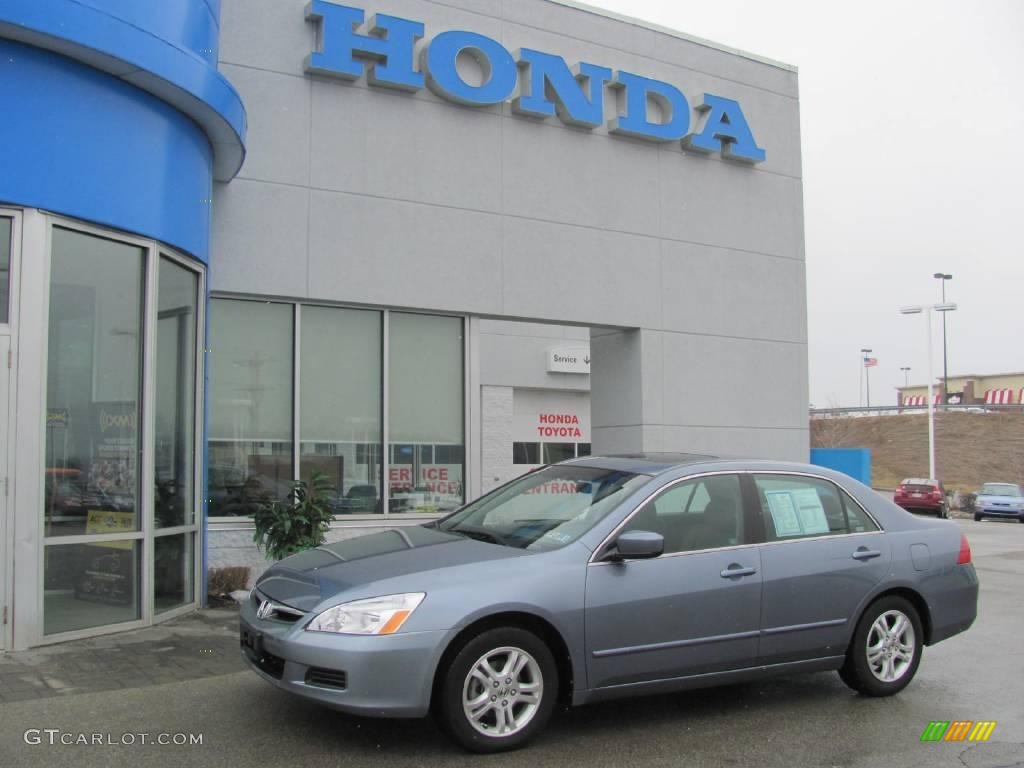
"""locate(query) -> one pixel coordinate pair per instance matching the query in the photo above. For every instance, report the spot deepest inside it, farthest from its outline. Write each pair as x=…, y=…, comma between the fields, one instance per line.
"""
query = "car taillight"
x=965, y=551
x=899, y=490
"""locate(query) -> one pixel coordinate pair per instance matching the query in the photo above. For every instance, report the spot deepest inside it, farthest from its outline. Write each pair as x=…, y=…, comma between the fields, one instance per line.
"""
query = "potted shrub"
x=298, y=523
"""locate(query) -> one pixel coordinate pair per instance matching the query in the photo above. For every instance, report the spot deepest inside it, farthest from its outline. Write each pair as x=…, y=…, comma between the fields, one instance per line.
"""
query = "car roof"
x=646, y=463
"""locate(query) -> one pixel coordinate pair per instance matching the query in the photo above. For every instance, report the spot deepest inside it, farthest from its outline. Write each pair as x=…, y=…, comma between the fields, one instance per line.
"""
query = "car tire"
x=501, y=701
x=943, y=512
x=885, y=652
x=977, y=517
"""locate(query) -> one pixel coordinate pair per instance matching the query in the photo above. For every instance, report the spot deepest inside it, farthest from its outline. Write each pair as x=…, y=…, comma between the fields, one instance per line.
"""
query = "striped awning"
x=1001, y=397
x=909, y=400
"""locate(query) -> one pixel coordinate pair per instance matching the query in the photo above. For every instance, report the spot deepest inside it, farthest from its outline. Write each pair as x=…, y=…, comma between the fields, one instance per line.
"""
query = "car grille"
x=280, y=612
x=327, y=678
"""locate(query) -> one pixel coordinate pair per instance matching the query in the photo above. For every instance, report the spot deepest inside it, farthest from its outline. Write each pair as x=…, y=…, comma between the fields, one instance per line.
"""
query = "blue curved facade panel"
x=80, y=142
x=192, y=25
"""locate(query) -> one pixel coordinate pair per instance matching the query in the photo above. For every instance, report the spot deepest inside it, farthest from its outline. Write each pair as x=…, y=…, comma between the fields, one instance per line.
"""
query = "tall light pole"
x=945, y=367
x=864, y=352
x=906, y=374
x=927, y=310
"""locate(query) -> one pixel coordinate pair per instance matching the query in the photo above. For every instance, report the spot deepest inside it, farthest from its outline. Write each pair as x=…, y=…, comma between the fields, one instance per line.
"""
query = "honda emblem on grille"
x=266, y=610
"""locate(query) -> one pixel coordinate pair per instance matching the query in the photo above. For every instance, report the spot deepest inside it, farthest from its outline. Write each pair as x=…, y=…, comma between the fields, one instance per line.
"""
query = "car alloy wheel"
x=498, y=690
x=502, y=692
x=885, y=650
x=890, y=646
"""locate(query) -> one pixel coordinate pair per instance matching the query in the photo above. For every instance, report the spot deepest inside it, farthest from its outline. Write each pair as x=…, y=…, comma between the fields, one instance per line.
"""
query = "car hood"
x=992, y=499
x=304, y=580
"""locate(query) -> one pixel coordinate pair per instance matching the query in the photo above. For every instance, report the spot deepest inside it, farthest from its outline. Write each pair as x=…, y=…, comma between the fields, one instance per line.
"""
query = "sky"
x=912, y=125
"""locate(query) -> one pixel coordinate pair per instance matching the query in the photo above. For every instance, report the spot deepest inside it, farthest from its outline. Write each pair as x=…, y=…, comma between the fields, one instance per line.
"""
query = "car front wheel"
x=498, y=691
x=886, y=648
x=977, y=517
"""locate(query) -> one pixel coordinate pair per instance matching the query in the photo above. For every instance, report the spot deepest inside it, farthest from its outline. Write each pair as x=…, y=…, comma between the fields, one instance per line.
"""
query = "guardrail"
x=895, y=410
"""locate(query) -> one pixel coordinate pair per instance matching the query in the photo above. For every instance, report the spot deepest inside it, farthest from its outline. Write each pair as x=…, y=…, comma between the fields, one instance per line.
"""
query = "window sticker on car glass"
x=810, y=510
x=784, y=515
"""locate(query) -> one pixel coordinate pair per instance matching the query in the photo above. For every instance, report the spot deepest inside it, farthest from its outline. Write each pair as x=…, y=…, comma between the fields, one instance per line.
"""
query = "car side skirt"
x=708, y=680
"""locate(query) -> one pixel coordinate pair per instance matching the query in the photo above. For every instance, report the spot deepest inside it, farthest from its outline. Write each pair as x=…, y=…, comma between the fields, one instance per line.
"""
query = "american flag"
x=870, y=362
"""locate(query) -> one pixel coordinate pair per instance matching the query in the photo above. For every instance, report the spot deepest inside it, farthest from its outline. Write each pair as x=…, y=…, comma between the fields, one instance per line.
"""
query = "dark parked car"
x=602, y=578
x=917, y=494
x=999, y=500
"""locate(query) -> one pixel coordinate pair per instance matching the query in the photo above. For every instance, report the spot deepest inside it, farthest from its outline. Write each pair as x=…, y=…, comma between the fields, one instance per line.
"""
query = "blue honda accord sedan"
x=600, y=578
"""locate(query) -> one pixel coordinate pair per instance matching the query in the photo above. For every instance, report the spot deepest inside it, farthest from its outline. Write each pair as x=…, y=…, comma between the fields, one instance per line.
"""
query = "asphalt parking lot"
x=811, y=720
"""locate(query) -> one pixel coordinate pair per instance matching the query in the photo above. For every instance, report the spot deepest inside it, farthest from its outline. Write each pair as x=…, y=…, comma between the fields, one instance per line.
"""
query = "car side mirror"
x=638, y=545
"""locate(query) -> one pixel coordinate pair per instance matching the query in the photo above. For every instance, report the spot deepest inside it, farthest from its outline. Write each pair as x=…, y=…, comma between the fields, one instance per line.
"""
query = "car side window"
x=796, y=507
x=705, y=513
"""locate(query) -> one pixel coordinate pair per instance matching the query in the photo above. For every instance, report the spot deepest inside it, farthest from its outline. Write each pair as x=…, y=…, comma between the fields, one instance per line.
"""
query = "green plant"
x=297, y=524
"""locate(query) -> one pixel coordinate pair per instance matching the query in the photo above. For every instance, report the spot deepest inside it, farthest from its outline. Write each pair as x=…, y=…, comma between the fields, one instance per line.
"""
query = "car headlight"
x=375, y=616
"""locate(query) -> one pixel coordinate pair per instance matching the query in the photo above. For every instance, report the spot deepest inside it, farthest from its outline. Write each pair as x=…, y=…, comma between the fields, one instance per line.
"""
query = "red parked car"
x=916, y=494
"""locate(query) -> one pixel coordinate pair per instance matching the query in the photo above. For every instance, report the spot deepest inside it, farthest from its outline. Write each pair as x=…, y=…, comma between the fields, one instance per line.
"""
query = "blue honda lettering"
x=440, y=61
x=543, y=74
x=639, y=93
x=725, y=130
x=389, y=45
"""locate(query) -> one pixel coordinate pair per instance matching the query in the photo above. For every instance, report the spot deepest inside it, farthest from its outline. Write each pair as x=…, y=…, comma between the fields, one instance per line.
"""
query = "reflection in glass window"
x=426, y=409
x=341, y=404
x=250, y=405
x=173, y=568
x=90, y=585
x=93, y=387
x=5, y=269
x=555, y=452
x=177, y=306
x=526, y=453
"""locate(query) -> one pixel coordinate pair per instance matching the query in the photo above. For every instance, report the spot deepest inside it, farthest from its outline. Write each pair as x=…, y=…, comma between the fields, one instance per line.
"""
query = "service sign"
x=569, y=360
x=393, y=52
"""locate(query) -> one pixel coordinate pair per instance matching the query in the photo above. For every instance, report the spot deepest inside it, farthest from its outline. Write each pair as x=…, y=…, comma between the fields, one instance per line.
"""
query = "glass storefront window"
x=93, y=390
x=340, y=403
x=177, y=306
x=5, y=269
x=426, y=404
x=90, y=585
x=556, y=452
x=250, y=405
x=173, y=567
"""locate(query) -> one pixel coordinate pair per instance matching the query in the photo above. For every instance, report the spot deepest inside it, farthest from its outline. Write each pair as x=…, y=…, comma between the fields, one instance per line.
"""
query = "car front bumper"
x=999, y=512
x=386, y=676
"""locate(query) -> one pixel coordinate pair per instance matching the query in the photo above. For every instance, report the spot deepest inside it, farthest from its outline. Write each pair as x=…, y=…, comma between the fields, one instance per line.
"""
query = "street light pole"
x=927, y=310
x=864, y=352
x=906, y=376
x=945, y=357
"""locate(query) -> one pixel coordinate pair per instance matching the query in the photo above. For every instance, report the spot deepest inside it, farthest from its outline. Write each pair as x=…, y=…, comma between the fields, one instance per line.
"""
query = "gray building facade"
x=689, y=267
x=412, y=248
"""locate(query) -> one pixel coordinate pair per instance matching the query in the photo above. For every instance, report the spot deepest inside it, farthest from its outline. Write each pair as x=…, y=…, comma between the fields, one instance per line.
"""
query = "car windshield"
x=546, y=509
x=999, y=489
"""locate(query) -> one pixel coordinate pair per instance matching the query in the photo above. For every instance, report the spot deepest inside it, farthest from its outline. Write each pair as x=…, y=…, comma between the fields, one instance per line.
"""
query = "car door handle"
x=866, y=554
x=735, y=570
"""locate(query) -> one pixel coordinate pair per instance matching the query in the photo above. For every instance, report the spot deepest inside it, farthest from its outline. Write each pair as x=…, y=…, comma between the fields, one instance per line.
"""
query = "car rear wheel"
x=886, y=649
x=499, y=690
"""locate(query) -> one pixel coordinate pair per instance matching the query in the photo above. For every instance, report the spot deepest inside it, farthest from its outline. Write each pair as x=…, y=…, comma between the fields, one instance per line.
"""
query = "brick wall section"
x=496, y=465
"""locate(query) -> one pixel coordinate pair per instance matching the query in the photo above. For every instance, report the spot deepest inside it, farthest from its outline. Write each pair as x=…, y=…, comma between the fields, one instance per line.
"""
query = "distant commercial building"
x=969, y=389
